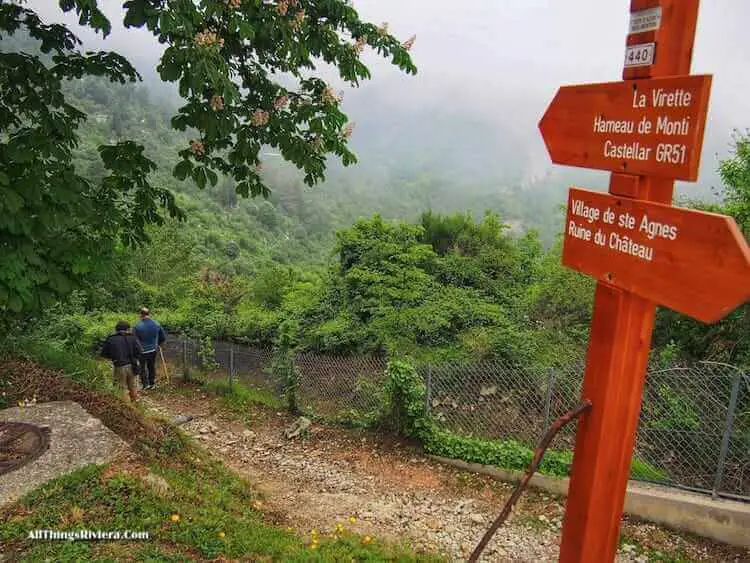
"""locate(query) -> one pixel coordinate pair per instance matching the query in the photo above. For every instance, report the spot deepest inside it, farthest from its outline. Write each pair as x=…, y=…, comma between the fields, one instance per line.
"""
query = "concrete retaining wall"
x=721, y=520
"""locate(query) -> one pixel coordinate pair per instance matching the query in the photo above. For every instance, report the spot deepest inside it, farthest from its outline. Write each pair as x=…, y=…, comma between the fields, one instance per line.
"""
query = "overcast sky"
x=504, y=59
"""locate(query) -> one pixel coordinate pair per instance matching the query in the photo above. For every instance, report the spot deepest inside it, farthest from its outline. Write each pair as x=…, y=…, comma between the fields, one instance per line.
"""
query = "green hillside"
x=315, y=268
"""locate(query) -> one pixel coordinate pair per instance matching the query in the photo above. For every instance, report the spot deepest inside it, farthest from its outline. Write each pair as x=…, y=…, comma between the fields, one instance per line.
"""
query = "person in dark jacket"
x=125, y=352
x=151, y=335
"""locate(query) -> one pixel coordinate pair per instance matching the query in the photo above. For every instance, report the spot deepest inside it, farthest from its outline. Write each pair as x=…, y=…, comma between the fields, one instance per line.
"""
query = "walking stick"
x=164, y=364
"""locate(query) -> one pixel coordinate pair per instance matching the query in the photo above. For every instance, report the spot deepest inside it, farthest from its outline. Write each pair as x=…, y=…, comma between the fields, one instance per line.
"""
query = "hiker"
x=151, y=336
x=125, y=352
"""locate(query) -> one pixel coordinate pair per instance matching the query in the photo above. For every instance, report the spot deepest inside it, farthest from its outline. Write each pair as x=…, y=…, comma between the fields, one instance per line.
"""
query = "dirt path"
x=383, y=488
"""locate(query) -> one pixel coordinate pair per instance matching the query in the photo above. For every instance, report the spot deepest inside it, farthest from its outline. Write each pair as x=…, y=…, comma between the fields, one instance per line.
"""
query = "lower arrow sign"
x=693, y=262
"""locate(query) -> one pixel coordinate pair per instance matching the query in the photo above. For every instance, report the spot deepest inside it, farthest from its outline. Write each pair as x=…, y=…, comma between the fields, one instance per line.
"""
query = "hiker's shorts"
x=124, y=377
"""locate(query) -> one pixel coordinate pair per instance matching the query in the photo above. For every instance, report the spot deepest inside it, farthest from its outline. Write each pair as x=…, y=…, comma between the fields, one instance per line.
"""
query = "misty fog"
x=487, y=71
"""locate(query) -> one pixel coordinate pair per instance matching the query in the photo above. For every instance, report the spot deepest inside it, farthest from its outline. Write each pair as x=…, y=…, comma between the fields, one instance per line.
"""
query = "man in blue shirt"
x=151, y=336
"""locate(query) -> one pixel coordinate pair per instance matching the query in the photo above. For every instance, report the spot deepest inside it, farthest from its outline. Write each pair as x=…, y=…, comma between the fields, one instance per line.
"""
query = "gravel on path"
x=334, y=477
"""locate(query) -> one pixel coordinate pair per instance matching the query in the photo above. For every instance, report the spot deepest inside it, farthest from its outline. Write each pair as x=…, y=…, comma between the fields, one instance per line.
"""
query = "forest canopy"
x=227, y=58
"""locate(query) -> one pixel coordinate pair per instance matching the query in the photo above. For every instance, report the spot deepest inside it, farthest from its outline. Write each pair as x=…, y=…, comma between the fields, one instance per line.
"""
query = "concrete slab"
x=77, y=439
x=721, y=520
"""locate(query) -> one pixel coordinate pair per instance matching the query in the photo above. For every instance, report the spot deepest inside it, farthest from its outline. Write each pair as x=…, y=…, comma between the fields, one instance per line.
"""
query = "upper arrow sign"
x=644, y=127
x=694, y=262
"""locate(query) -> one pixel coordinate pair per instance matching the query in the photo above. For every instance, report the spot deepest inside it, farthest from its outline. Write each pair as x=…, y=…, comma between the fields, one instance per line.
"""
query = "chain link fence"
x=694, y=430
x=695, y=427
x=248, y=365
x=341, y=389
x=496, y=399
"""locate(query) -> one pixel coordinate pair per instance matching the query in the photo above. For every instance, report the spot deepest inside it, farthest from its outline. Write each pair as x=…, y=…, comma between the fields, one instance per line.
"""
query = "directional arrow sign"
x=693, y=262
x=644, y=127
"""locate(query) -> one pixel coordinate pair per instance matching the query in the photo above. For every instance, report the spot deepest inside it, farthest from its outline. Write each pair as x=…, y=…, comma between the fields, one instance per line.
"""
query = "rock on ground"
x=298, y=427
x=77, y=439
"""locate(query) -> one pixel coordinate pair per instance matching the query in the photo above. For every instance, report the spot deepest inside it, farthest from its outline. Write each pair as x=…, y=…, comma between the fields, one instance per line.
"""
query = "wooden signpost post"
x=648, y=130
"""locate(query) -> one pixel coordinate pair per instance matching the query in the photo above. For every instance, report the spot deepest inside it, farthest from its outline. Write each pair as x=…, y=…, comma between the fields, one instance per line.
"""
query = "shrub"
x=207, y=354
x=405, y=405
x=256, y=324
x=284, y=367
x=508, y=454
x=341, y=335
x=285, y=370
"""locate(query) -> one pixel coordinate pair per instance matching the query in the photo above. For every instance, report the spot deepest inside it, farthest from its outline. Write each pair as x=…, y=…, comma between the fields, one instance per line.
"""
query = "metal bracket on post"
x=729, y=424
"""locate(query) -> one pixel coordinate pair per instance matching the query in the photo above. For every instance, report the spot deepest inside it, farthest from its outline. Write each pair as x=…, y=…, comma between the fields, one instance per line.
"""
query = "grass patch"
x=206, y=513
x=644, y=471
x=239, y=397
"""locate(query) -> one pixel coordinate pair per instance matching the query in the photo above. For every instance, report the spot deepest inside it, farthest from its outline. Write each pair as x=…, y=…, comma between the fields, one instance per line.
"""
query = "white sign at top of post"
x=645, y=20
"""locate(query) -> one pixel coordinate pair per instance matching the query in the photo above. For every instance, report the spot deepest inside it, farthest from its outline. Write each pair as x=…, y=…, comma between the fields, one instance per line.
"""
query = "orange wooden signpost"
x=696, y=262
x=647, y=127
x=693, y=262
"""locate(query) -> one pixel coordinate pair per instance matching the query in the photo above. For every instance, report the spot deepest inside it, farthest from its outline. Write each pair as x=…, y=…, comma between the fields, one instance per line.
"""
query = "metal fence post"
x=428, y=393
x=548, y=399
x=231, y=364
x=727, y=433
x=184, y=359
